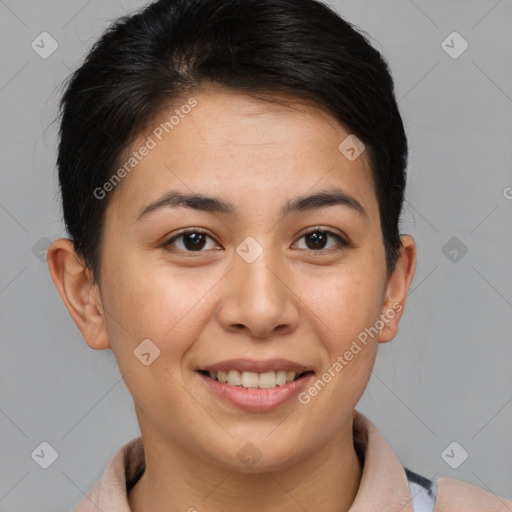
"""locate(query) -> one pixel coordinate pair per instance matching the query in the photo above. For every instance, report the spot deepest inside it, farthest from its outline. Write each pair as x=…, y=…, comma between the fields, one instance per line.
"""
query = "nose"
x=258, y=297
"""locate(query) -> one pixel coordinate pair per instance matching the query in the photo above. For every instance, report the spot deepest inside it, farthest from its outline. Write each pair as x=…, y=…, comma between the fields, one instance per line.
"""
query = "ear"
x=79, y=293
x=397, y=288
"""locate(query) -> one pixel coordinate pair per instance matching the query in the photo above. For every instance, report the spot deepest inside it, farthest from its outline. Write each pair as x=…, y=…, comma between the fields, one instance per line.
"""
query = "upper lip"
x=248, y=365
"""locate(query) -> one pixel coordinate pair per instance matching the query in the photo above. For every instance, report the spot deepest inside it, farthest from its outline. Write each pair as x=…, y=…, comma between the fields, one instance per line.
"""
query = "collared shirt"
x=386, y=486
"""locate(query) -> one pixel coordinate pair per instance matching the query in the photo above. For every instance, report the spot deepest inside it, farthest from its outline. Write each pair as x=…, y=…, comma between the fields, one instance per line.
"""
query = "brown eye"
x=191, y=240
x=194, y=240
x=317, y=239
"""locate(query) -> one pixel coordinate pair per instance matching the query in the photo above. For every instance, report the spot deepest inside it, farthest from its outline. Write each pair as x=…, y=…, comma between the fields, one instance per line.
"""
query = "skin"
x=201, y=308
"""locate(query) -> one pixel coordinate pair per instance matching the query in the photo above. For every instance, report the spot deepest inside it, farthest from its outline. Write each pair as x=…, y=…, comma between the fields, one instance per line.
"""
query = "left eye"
x=318, y=238
x=195, y=240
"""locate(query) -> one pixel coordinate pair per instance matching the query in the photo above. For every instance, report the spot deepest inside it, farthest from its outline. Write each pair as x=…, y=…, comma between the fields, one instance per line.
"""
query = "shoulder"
x=451, y=495
x=459, y=496
x=422, y=491
x=110, y=492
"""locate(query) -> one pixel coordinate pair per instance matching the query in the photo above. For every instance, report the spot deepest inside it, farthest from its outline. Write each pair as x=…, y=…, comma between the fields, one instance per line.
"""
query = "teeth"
x=234, y=378
x=281, y=378
x=249, y=379
x=265, y=380
x=290, y=376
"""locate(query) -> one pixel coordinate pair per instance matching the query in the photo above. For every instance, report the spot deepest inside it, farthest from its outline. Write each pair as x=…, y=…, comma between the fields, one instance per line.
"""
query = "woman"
x=232, y=175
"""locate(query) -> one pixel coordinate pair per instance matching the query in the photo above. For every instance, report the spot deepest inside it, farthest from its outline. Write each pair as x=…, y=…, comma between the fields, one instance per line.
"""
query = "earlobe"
x=80, y=295
x=397, y=289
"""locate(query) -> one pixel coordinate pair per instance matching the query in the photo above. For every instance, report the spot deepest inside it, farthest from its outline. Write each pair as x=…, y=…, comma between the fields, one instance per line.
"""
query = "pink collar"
x=383, y=486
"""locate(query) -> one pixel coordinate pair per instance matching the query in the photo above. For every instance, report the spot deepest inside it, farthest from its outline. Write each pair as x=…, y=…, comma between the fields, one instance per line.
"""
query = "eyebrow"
x=200, y=202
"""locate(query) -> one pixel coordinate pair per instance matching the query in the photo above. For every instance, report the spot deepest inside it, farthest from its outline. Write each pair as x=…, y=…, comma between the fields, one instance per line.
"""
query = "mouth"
x=256, y=386
x=252, y=391
x=255, y=380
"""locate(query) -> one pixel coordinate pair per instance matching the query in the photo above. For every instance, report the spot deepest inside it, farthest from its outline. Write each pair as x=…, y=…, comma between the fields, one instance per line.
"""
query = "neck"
x=176, y=480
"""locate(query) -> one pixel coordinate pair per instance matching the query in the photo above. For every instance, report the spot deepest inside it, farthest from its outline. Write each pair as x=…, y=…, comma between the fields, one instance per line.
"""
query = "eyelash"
x=342, y=243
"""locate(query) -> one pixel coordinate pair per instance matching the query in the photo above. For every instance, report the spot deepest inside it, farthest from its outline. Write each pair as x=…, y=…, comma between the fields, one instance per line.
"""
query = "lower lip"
x=256, y=399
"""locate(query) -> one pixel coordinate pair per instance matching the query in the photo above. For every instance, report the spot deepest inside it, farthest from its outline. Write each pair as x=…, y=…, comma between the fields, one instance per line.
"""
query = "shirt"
x=386, y=485
x=423, y=491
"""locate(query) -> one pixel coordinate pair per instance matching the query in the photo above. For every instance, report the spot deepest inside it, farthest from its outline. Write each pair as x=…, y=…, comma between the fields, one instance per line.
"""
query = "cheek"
x=348, y=305
x=345, y=308
x=156, y=303
x=147, y=303
x=346, y=301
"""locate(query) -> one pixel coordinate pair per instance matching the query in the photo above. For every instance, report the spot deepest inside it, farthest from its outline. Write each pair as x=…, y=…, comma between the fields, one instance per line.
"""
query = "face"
x=270, y=273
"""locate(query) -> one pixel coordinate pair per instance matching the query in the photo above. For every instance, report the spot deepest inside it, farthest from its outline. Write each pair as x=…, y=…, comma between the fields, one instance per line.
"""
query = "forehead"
x=248, y=151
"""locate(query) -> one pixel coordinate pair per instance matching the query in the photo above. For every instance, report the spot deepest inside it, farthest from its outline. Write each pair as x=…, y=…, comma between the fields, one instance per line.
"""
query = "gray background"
x=446, y=377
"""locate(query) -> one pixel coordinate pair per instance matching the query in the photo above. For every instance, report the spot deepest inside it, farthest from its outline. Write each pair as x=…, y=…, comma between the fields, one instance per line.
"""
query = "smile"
x=248, y=380
x=255, y=391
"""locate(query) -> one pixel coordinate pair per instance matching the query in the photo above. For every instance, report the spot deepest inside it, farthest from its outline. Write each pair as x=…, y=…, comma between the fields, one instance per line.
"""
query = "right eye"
x=192, y=240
